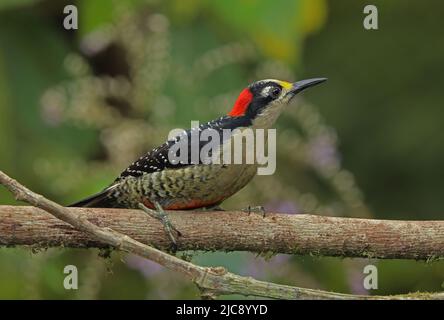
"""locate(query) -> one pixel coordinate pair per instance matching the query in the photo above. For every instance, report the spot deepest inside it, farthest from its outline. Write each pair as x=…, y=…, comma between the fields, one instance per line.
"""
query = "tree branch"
x=235, y=231
x=212, y=281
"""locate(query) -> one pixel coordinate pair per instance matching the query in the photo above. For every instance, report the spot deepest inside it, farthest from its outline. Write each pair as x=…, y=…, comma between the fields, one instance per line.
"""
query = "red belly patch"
x=192, y=204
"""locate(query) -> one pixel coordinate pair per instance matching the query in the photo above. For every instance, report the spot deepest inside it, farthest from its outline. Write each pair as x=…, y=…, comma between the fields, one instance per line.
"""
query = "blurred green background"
x=77, y=106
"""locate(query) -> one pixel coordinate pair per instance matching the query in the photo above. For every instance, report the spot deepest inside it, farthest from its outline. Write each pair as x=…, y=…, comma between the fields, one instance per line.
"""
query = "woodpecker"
x=154, y=182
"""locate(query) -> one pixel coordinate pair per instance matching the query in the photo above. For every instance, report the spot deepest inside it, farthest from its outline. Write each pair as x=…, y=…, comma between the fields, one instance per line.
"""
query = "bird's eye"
x=275, y=92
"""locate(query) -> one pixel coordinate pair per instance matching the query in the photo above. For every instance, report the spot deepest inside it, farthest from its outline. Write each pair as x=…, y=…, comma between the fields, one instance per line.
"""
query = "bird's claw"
x=162, y=216
x=256, y=209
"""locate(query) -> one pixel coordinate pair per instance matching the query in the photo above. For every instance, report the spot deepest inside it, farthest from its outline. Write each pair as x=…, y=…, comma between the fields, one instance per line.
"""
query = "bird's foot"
x=162, y=216
x=255, y=209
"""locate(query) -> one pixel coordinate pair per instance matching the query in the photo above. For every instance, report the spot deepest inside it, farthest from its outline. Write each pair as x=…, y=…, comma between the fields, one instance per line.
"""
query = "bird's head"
x=263, y=101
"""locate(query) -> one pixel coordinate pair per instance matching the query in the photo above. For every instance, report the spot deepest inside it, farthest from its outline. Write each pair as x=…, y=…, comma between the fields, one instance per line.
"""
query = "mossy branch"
x=234, y=231
x=212, y=281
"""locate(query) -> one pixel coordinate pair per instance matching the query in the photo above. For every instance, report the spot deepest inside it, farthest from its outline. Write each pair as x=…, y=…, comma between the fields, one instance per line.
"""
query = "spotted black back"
x=157, y=159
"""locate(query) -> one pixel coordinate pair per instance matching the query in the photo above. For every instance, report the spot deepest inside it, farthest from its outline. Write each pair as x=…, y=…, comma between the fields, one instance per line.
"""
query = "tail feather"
x=98, y=200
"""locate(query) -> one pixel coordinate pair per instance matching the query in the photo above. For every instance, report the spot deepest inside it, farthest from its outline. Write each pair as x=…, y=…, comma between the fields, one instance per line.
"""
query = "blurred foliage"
x=387, y=105
x=78, y=106
x=6, y=4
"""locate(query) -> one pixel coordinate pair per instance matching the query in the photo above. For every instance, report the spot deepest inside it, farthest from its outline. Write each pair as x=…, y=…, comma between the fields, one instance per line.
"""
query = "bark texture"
x=212, y=281
x=229, y=231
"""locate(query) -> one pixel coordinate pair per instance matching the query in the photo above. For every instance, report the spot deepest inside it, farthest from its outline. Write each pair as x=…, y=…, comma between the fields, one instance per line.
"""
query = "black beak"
x=304, y=84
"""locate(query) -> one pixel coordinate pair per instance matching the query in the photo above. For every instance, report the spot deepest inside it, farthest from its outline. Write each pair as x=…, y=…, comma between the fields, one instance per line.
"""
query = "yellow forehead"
x=286, y=85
